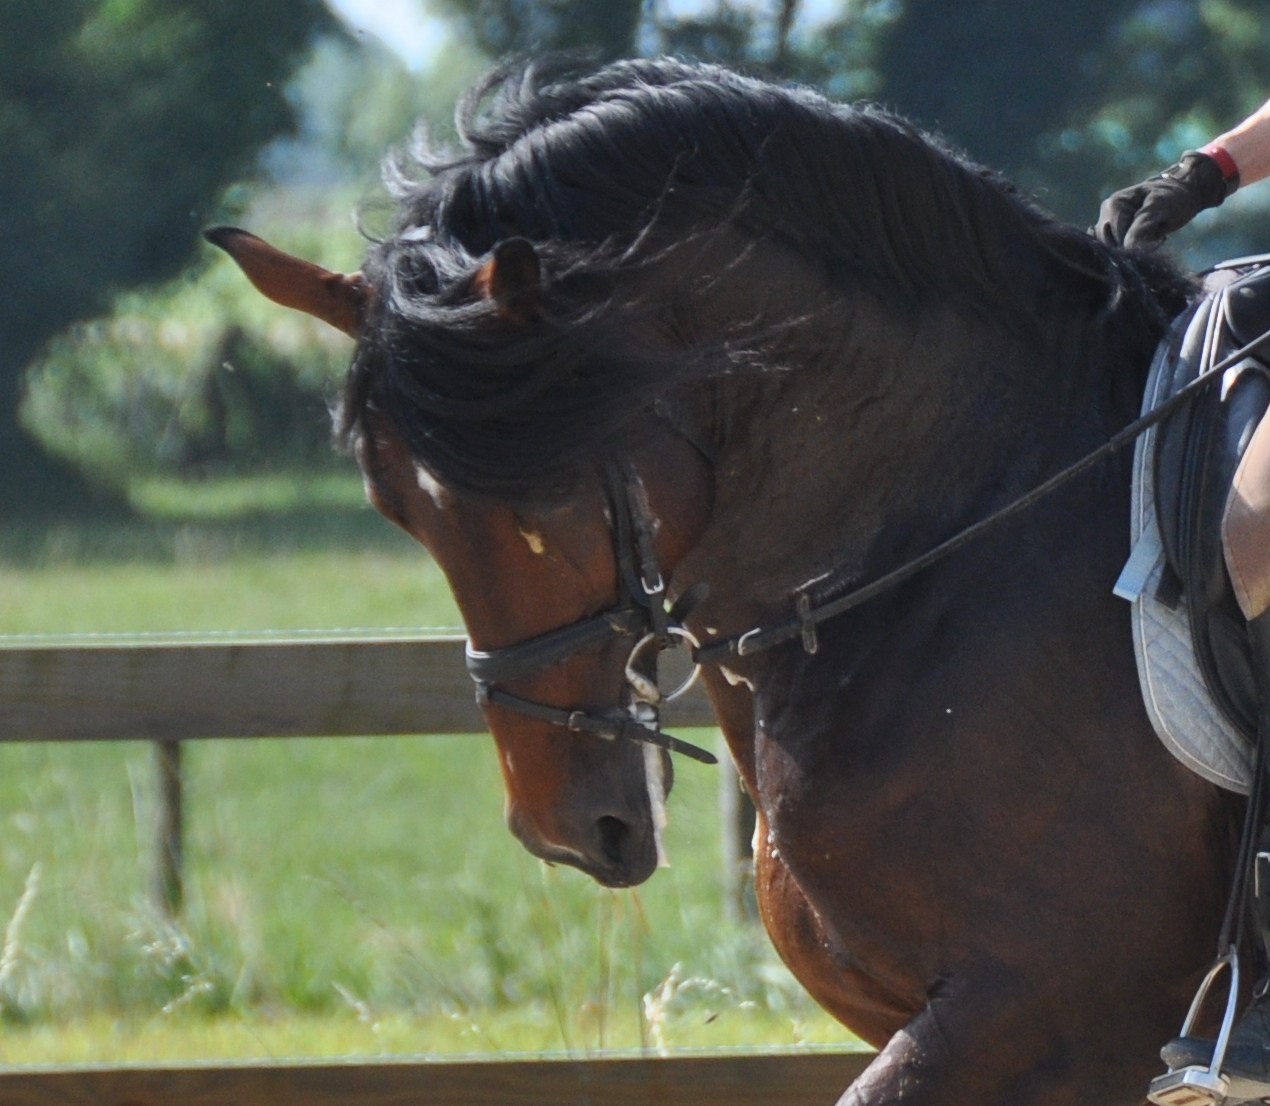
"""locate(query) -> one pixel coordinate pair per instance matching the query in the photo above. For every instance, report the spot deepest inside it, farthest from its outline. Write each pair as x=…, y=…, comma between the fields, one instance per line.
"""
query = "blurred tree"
x=608, y=28
x=121, y=121
x=781, y=39
x=995, y=75
x=1076, y=100
x=1070, y=100
x=773, y=38
x=356, y=100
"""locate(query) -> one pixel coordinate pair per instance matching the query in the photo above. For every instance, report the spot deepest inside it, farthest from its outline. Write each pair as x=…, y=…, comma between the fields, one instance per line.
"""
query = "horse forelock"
x=621, y=175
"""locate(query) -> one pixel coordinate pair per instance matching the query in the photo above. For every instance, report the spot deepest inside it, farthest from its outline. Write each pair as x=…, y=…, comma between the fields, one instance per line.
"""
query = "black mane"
x=610, y=173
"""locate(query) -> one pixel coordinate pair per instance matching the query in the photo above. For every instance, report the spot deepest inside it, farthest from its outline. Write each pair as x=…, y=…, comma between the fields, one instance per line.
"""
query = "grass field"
x=277, y=552
x=354, y=896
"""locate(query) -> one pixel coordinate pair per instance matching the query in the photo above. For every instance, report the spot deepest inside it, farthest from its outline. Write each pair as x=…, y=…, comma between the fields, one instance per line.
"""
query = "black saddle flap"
x=1248, y=307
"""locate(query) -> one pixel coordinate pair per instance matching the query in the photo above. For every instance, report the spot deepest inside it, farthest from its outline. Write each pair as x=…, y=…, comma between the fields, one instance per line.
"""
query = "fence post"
x=736, y=813
x=169, y=888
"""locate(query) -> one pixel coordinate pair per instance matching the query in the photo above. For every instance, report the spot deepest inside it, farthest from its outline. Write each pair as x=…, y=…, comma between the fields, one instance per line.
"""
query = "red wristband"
x=1221, y=155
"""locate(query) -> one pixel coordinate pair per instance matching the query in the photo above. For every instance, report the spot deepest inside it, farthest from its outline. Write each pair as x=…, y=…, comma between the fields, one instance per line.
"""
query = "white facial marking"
x=430, y=484
x=533, y=539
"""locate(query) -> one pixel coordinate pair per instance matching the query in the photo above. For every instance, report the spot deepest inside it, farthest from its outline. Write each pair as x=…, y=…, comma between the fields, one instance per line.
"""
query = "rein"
x=808, y=617
x=641, y=615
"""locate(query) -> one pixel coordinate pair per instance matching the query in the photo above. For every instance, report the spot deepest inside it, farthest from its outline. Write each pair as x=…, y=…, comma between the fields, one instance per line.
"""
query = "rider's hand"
x=1140, y=217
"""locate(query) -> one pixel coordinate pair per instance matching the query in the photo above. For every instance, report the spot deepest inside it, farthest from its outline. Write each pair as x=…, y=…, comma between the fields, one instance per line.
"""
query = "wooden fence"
x=181, y=691
x=172, y=692
x=177, y=691
x=809, y=1079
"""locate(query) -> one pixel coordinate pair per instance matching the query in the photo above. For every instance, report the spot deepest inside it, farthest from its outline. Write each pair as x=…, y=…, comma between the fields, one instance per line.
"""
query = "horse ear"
x=512, y=278
x=338, y=299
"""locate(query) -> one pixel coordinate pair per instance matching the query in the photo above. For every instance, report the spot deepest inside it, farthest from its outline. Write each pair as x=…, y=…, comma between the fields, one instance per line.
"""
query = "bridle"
x=641, y=615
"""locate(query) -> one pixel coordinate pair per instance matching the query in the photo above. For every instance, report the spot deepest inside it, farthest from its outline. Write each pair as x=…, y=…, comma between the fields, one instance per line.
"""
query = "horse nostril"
x=612, y=833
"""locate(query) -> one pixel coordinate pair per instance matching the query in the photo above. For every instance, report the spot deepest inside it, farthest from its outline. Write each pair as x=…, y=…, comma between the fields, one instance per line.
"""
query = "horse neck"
x=910, y=429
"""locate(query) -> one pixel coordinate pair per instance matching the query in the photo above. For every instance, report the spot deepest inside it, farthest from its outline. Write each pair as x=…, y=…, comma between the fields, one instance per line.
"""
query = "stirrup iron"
x=1198, y=1085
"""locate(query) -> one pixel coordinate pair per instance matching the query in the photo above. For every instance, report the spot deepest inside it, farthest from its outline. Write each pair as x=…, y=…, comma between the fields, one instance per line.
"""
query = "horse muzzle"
x=614, y=850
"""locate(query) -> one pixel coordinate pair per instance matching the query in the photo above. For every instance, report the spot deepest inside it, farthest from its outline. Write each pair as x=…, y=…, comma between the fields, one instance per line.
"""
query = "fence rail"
x=186, y=691
x=808, y=1079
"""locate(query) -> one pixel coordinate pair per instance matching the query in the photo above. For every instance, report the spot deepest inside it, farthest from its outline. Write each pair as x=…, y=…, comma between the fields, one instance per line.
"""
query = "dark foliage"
x=120, y=125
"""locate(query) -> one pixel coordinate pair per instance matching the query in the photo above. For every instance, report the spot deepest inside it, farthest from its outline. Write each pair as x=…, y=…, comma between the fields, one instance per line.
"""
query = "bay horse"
x=663, y=350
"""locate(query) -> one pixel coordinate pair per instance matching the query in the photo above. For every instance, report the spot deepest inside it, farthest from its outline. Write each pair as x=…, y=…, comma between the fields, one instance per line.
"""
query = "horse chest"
x=872, y=996
x=843, y=896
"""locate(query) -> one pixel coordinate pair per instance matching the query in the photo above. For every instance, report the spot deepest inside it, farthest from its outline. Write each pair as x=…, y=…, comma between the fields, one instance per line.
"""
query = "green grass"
x=364, y=588
x=355, y=896
x=279, y=552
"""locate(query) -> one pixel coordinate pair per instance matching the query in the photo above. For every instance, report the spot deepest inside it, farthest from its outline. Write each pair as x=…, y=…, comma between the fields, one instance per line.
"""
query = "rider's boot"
x=1247, y=1062
x=1235, y=1068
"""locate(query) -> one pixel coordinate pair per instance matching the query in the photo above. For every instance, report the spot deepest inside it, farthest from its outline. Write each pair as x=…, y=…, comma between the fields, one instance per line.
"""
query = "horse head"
x=527, y=577
x=664, y=325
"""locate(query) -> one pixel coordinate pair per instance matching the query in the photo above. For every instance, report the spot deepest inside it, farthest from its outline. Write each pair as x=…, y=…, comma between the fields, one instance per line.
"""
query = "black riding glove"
x=1140, y=217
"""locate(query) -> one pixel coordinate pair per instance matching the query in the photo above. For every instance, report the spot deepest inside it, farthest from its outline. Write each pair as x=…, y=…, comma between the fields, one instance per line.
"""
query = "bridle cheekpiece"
x=640, y=614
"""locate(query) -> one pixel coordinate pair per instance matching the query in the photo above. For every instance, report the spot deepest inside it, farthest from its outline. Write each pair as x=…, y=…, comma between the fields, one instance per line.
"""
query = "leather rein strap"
x=808, y=617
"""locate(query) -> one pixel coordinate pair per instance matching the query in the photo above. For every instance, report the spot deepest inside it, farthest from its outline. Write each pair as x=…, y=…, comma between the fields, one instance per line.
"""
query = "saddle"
x=1201, y=518
x=1212, y=485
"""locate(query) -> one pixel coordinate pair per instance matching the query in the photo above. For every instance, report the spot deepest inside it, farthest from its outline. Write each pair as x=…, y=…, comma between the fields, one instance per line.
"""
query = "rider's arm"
x=1249, y=145
x=1141, y=216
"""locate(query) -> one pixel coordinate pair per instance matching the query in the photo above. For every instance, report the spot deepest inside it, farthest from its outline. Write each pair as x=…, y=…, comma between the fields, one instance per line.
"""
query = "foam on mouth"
x=655, y=776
